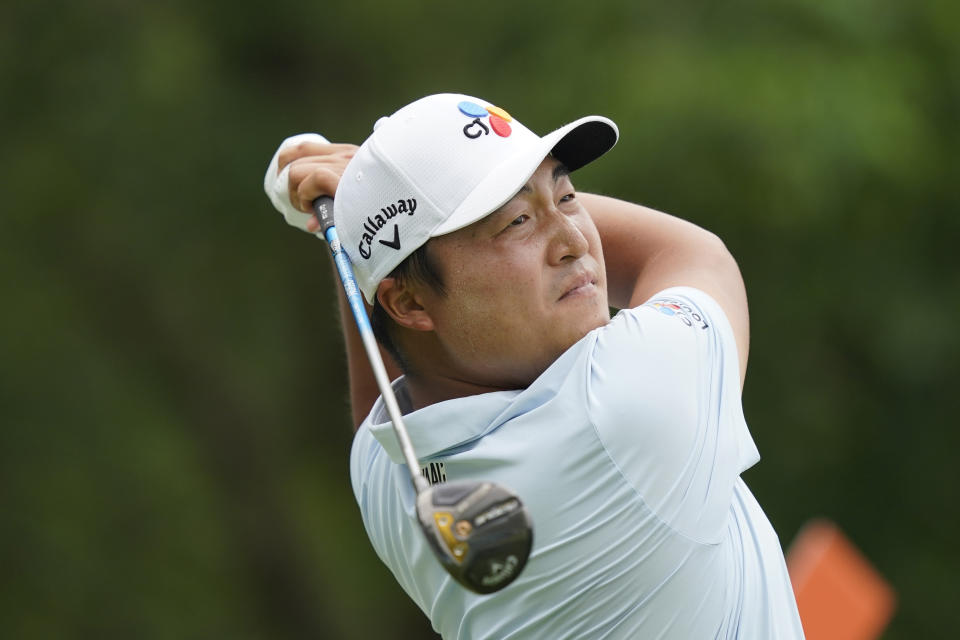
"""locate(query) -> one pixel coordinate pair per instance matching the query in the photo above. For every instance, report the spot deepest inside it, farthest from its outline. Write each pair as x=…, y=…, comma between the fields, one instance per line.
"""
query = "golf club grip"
x=323, y=207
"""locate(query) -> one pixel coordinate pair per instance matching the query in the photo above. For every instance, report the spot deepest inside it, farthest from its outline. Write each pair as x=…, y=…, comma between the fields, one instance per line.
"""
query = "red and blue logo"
x=666, y=308
x=484, y=120
x=680, y=310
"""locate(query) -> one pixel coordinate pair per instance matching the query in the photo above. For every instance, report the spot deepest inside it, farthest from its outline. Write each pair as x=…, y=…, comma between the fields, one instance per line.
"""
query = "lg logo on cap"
x=485, y=119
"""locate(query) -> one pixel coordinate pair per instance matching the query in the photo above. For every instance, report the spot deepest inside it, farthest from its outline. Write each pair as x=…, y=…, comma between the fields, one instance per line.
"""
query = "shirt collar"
x=440, y=426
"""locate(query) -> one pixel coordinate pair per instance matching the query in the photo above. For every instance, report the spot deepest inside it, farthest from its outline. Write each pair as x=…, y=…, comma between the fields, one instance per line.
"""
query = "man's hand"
x=304, y=168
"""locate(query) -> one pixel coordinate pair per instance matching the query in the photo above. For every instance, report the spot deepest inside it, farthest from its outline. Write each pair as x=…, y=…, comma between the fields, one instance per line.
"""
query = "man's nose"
x=568, y=241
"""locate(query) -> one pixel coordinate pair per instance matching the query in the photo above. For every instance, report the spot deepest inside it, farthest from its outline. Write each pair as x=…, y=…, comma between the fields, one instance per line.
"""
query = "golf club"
x=480, y=532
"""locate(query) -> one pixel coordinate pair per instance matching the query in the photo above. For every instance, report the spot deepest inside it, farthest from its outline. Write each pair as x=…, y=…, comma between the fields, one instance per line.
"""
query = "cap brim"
x=575, y=145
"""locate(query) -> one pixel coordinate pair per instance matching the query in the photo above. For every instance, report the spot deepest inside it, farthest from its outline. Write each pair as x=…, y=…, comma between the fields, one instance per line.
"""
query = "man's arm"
x=363, y=385
x=314, y=169
x=647, y=251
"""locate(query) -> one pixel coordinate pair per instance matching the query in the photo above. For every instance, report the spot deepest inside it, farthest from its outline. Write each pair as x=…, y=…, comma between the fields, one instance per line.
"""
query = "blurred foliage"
x=173, y=452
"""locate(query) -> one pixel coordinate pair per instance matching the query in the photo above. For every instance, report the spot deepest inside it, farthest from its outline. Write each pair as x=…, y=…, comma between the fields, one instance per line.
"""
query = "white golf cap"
x=440, y=164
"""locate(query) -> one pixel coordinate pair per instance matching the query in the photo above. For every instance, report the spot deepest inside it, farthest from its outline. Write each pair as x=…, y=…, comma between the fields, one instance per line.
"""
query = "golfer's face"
x=523, y=284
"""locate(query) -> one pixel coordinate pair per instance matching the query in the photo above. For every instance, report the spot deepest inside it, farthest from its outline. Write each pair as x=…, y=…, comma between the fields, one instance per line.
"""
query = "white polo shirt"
x=627, y=452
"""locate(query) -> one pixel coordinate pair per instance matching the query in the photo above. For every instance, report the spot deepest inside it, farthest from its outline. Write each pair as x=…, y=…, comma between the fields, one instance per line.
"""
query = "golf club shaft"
x=323, y=207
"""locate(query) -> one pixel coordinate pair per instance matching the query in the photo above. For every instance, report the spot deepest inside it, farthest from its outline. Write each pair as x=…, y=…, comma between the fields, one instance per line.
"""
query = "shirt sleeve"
x=362, y=454
x=663, y=393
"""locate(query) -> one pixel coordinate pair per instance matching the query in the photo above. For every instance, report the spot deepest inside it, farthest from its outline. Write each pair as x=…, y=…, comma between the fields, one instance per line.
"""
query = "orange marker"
x=839, y=594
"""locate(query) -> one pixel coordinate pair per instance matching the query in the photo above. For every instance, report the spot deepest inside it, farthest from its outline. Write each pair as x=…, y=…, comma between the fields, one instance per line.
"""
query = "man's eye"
x=519, y=220
x=570, y=197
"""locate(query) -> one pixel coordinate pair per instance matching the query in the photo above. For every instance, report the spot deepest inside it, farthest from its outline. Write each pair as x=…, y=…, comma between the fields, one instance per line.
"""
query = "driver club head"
x=480, y=531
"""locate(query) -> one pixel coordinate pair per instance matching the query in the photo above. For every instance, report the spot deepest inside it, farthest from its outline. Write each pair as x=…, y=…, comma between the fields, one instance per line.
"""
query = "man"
x=490, y=279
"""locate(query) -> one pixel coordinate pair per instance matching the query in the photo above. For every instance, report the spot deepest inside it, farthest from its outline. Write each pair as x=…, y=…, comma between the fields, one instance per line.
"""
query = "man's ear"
x=403, y=305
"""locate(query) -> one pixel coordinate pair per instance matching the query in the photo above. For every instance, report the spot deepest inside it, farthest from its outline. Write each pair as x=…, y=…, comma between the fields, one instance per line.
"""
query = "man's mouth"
x=582, y=285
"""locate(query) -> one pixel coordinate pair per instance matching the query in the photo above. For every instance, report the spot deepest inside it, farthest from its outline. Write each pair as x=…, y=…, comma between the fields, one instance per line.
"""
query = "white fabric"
x=627, y=451
x=275, y=184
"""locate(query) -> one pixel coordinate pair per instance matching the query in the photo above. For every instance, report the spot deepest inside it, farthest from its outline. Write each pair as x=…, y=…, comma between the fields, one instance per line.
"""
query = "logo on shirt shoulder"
x=680, y=310
x=434, y=472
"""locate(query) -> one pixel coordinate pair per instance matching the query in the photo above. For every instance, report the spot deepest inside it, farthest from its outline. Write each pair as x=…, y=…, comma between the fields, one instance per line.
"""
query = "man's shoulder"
x=673, y=323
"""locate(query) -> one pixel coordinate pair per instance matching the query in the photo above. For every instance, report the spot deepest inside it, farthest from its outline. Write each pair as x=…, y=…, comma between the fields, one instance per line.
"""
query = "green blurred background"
x=173, y=452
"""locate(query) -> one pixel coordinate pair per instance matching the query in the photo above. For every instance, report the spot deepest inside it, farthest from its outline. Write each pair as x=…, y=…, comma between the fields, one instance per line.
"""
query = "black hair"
x=417, y=267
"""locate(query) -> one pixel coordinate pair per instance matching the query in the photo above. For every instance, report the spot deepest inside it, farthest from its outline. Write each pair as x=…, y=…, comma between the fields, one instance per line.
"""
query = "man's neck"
x=427, y=390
